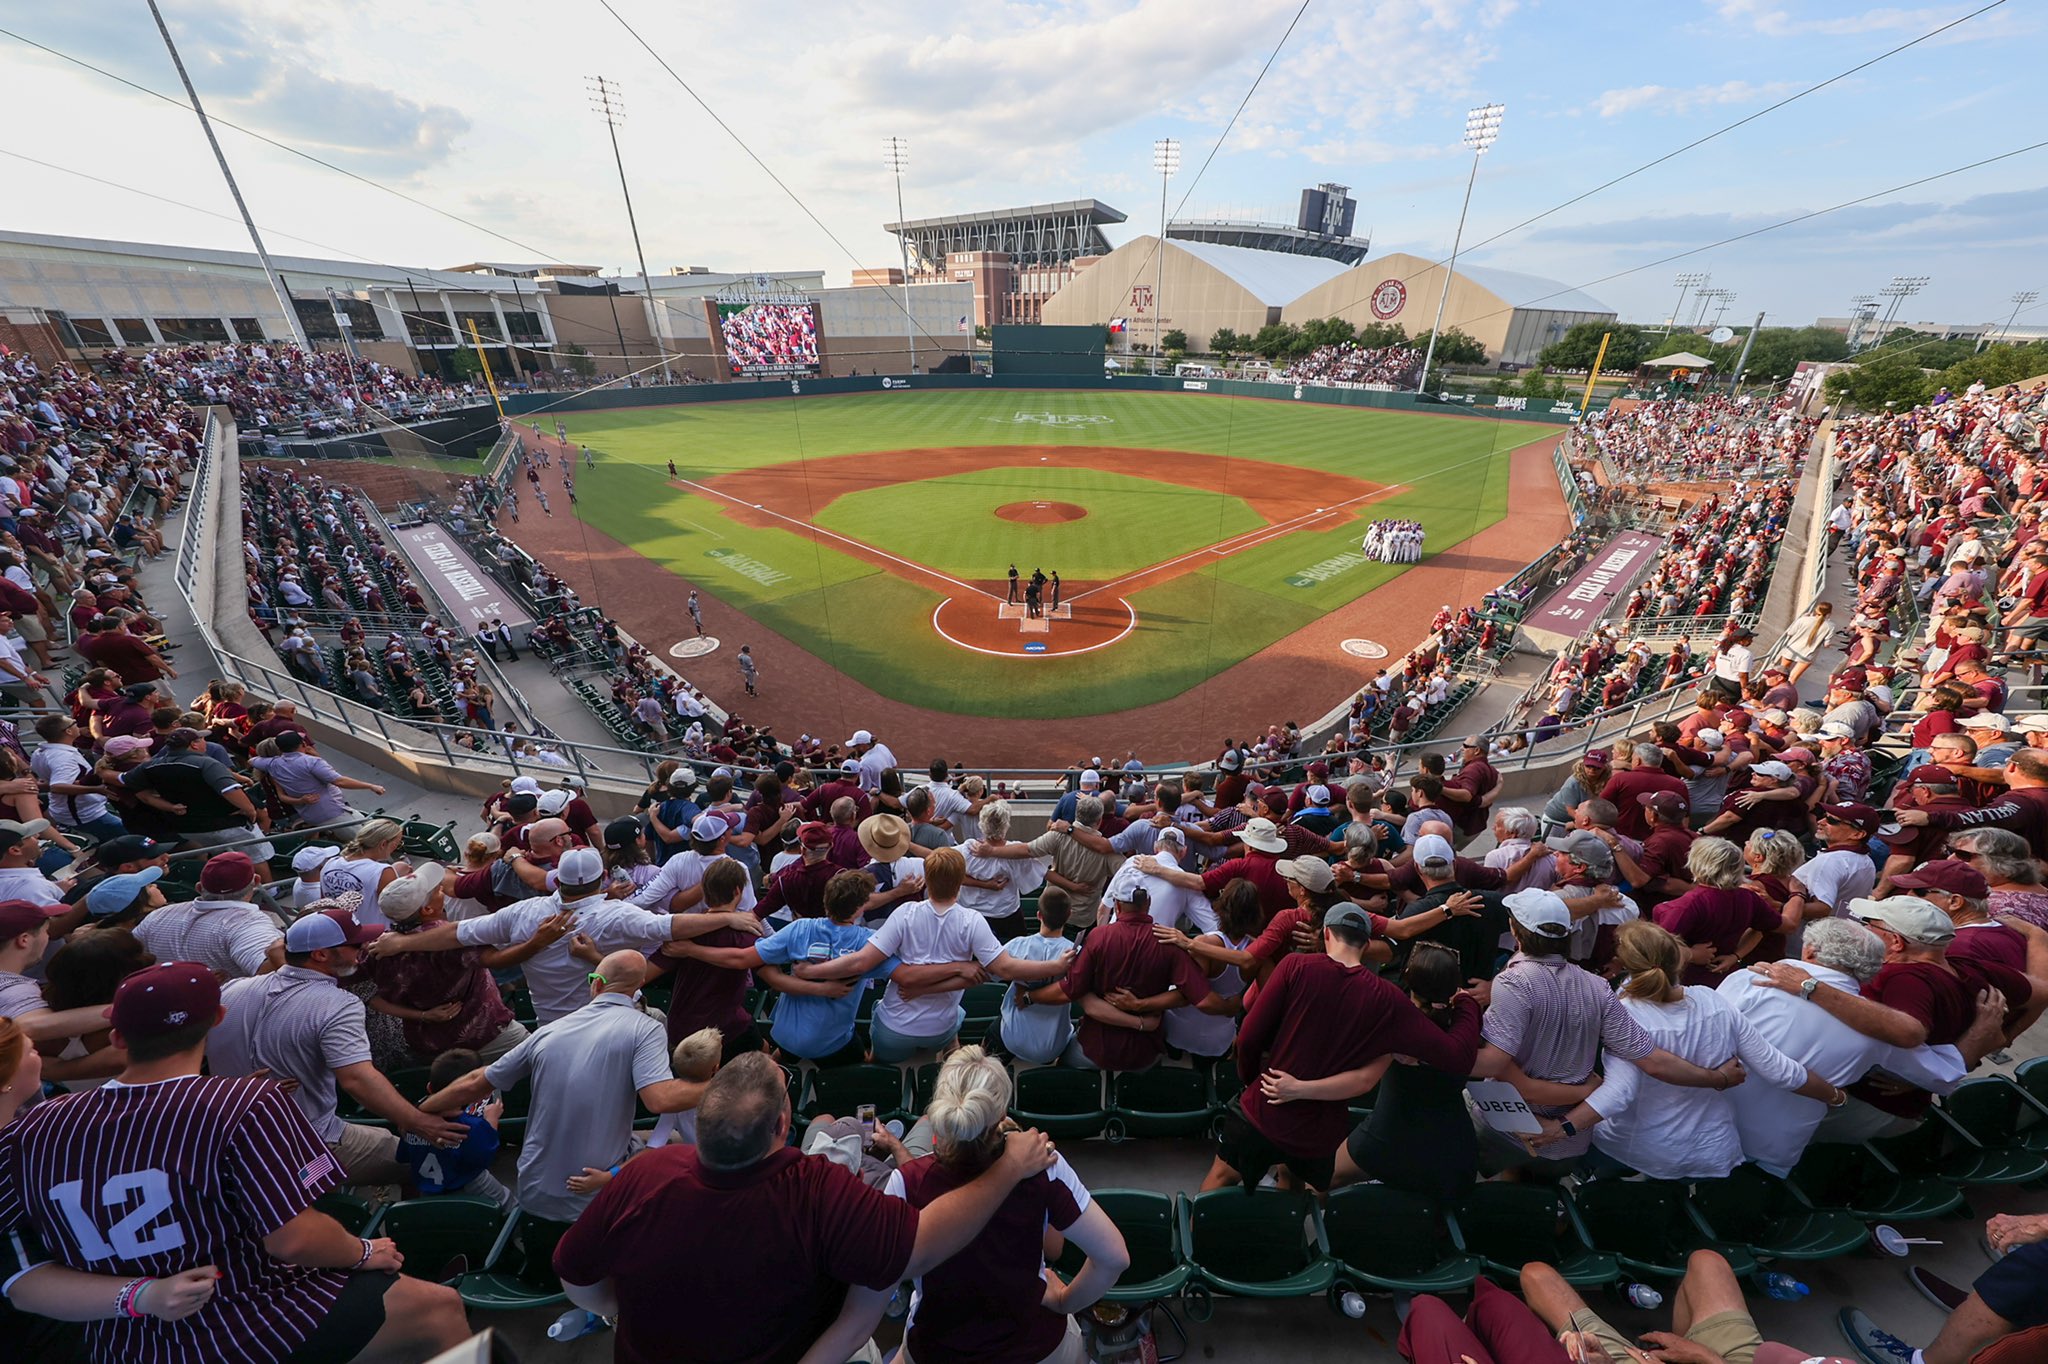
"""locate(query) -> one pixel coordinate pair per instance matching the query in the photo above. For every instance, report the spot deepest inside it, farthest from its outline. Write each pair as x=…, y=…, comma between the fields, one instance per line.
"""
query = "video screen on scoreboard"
x=770, y=338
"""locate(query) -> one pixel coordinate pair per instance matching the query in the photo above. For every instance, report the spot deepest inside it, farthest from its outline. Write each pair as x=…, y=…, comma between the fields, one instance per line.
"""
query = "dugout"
x=1075, y=351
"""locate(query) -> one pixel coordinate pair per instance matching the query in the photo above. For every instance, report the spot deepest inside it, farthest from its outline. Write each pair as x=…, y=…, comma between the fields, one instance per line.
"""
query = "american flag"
x=963, y=325
x=319, y=1170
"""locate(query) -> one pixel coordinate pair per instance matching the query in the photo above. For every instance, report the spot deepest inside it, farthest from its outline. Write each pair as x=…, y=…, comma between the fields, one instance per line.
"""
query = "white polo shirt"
x=683, y=872
x=557, y=980
x=918, y=933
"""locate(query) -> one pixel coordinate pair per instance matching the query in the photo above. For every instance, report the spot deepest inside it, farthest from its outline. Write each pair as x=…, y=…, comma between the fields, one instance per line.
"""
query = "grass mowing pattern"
x=876, y=627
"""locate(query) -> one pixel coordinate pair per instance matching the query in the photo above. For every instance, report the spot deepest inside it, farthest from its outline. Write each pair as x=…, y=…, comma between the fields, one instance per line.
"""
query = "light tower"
x=1482, y=130
x=897, y=155
x=611, y=106
x=1165, y=160
x=1685, y=282
x=1863, y=308
x=1898, y=291
x=2020, y=299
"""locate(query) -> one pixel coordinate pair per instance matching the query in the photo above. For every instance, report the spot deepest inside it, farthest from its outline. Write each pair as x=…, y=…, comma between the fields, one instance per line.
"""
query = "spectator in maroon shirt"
x=994, y=1301
x=1319, y=1014
x=1625, y=789
x=109, y=645
x=1469, y=795
x=1718, y=919
x=2024, y=809
x=818, y=803
x=1659, y=872
x=1959, y=890
x=1124, y=979
x=1264, y=847
x=708, y=995
x=816, y=1251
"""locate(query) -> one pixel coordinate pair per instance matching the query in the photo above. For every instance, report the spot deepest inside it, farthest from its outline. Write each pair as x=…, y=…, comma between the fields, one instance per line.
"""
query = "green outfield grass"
x=1453, y=473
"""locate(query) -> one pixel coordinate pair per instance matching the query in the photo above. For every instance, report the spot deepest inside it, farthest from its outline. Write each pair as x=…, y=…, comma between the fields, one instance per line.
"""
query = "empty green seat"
x=1266, y=1243
x=843, y=1089
x=443, y=1232
x=1064, y=1104
x=1392, y=1239
x=1758, y=1210
x=1859, y=1181
x=1942, y=1148
x=1643, y=1225
x=1152, y=1235
x=984, y=1006
x=353, y=1211
x=1165, y=1101
x=2008, y=1125
x=1509, y=1225
x=523, y=1274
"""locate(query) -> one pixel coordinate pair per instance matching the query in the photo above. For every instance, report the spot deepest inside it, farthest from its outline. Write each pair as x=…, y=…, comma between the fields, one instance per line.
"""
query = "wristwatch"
x=1808, y=986
x=1566, y=1125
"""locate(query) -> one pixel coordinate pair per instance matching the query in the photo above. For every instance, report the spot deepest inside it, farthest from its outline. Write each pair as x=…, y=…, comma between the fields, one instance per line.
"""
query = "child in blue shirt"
x=465, y=1168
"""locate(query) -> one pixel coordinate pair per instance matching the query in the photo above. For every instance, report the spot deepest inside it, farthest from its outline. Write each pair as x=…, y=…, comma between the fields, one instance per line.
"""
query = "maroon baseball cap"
x=1951, y=874
x=814, y=835
x=1850, y=812
x=225, y=873
x=1319, y=769
x=1599, y=757
x=1663, y=802
x=25, y=916
x=163, y=999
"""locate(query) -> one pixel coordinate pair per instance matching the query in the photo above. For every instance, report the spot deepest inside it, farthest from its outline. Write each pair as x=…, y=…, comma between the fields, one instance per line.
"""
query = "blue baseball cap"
x=115, y=894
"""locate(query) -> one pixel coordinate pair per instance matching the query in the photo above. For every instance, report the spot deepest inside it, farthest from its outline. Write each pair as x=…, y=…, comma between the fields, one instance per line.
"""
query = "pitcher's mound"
x=1041, y=513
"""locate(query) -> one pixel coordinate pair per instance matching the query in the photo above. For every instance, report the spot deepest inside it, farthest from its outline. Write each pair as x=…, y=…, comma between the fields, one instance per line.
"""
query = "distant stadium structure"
x=1321, y=228
x=1013, y=258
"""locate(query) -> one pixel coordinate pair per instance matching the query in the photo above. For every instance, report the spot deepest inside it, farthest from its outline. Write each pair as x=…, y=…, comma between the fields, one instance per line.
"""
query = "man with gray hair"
x=1776, y=1124
x=1515, y=830
x=819, y=1250
x=1081, y=871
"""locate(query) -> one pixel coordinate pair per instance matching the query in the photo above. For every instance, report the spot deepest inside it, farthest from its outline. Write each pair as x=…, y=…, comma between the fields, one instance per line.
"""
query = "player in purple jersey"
x=165, y=1171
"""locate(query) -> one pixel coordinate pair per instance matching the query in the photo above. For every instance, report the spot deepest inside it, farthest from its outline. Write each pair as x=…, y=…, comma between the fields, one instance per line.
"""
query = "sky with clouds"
x=480, y=110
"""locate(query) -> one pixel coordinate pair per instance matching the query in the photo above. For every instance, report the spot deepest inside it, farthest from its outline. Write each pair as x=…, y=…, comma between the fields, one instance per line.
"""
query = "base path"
x=1295, y=678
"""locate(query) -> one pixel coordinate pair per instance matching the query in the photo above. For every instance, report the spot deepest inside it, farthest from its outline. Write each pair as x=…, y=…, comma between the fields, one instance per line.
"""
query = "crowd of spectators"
x=1714, y=438
x=277, y=387
x=1350, y=363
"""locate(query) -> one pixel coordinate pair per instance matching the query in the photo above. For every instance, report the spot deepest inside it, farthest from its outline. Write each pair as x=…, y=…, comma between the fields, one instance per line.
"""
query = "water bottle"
x=575, y=1323
x=1782, y=1286
x=1353, y=1304
x=1644, y=1296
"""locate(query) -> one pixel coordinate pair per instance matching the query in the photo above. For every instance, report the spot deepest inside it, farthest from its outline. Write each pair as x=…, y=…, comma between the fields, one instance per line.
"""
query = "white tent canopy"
x=1685, y=359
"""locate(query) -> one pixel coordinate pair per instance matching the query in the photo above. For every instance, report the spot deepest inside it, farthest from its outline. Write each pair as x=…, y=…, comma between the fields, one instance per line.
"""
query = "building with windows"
x=1014, y=259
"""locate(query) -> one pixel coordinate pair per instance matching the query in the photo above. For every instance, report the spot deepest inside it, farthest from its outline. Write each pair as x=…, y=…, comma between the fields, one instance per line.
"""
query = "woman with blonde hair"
x=1663, y=1130
x=1807, y=637
x=995, y=1299
x=368, y=863
x=1771, y=855
x=1718, y=919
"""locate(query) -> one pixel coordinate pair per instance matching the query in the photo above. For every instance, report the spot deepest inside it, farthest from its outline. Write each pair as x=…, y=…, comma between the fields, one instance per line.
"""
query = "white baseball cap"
x=1091, y=777
x=1773, y=769
x=1986, y=720
x=1318, y=795
x=1433, y=849
x=578, y=867
x=860, y=736
x=313, y=856
x=525, y=786
x=552, y=802
x=709, y=829
x=1540, y=911
x=403, y=899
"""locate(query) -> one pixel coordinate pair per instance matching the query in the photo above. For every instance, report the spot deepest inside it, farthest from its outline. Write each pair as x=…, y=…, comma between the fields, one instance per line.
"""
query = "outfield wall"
x=1556, y=411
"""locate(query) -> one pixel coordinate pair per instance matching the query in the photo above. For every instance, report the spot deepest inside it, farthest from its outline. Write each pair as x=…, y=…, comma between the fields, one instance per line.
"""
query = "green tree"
x=467, y=365
x=1928, y=351
x=1276, y=339
x=1778, y=350
x=1456, y=347
x=1375, y=335
x=1881, y=378
x=982, y=334
x=1175, y=340
x=1328, y=331
x=580, y=361
x=1225, y=341
x=1996, y=366
x=1578, y=348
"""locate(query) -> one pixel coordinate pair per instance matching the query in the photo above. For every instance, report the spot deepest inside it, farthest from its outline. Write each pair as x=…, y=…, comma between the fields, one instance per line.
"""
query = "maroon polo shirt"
x=1316, y=1017
x=2024, y=810
x=1478, y=777
x=123, y=653
x=818, y=804
x=118, y=716
x=1470, y=875
x=1942, y=1001
x=1664, y=854
x=1707, y=914
x=1993, y=942
x=766, y=1270
x=1623, y=788
x=1259, y=868
x=708, y=996
x=1124, y=955
x=799, y=888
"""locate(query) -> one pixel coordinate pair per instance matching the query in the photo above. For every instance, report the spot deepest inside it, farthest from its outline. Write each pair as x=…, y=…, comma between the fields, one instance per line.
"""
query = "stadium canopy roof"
x=1269, y=276
x=1097, y=213
x=1277, y=237
x=1036, y=234
x=1685, y=359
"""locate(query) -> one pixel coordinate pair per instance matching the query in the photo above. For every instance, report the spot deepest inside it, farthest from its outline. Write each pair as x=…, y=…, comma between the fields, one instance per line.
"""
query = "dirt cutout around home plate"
x=1040, y=513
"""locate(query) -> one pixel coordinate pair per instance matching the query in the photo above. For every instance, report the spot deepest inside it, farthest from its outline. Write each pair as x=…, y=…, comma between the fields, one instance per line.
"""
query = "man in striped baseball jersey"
x=163, y=1172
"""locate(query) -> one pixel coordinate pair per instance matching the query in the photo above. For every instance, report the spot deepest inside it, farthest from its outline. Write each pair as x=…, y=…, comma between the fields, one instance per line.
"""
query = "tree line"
x=1277, y=341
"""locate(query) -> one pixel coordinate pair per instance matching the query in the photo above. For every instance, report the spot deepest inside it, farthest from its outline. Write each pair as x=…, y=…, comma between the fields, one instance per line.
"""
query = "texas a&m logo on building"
x=1387, y=298
x=1141, y=298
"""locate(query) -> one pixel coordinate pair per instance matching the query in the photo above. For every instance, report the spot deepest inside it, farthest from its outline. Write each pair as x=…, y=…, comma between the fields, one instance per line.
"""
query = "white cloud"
x=1662, y=99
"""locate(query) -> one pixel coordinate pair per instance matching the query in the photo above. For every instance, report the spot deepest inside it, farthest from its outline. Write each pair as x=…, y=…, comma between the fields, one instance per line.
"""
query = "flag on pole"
x=1117, y=324
x=963, y=326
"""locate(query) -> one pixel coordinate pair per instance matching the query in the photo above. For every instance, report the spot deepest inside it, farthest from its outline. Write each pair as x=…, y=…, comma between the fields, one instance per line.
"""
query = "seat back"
x=1256, y=1237
x=433, y=1232
x=1641, y=1219
x=1917, y=1152
x=839, y=1090
x=1146, y=1221
x=1064, y=1102
x=1743, y=1206
x=984, y=1006
x=351, y=1210
x=1990, y=1109
x=1378, y=1229
x=1512, y=1224
x=530, y=1255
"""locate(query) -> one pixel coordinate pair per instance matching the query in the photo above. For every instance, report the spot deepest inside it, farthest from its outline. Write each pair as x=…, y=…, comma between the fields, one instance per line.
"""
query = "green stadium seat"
x=1066, y=1105
x=523, y=1274
x=2003, y=1119
x=1509, y=1225
x=1151, y=1234
x=1165, y=1101
x=1265, y=1243
x=443, y=1232
x=1766, y=1214
x=984, y=1006
x=1643, y=1224
x=842, y=1089
x=1859, y=1181
x=353, y=1211
x=1396, y=1241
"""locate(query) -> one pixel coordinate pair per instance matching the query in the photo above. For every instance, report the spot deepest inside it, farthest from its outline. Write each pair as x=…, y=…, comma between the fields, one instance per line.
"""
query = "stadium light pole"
x=1482, y=129
x=1860, y=313
x=898, y=154
x=1684, y=282
x=1722, y=298
x=277, y=285
x=1165, y=160
x=605, y=98
x=1898, y=291
x=2020, y=299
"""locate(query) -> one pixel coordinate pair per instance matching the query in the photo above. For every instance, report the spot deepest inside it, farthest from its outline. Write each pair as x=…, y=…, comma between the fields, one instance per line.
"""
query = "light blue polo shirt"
x=811, y=1026
x=1036, y=1032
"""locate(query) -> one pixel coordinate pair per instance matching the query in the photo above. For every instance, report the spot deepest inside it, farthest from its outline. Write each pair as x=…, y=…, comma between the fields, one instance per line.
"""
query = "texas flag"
x=1117, y=324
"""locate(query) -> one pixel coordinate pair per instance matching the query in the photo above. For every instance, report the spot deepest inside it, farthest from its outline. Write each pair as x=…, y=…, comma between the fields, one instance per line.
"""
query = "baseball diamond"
x=1210, y=540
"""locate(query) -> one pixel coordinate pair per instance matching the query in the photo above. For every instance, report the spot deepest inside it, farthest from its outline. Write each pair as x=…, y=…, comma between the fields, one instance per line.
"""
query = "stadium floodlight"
x=1482, y=130
x=1863, y=308
x=1165, y=160
x=2020, y=299
x=277, y=285
x=610, y=105
x=1898, y=291
x=1685, y=282
x=896, y=155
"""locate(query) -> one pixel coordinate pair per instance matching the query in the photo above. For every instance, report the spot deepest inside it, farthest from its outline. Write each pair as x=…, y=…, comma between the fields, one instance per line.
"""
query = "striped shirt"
x=231, y=938
x=1553, y=1018
x=155, y=1179
x=298, y=1024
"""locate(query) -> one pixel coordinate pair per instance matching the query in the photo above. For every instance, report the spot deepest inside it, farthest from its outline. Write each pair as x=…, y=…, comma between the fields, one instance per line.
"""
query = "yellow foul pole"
x=492, y=384
x=1584, y=402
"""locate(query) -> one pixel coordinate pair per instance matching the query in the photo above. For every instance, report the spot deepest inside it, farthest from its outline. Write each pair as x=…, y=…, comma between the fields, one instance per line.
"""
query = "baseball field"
x=875, y=531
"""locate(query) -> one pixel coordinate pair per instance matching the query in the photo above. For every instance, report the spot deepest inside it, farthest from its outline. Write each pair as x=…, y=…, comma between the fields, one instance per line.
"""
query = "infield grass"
x=1451, y=472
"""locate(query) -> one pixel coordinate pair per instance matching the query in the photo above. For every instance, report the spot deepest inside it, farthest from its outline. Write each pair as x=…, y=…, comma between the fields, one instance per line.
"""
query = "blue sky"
x=479, y=109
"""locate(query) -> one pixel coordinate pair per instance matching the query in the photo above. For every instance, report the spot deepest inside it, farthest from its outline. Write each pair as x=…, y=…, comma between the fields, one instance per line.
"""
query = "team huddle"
x=1394, y=542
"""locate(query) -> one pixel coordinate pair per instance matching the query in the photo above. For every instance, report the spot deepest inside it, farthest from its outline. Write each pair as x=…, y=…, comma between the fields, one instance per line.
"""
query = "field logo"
x=1036, y=646
x=1512, y=404
x=1297, y=392
x=895, y=383
x=1388, y=298
x=1327, y=569
x=764, y=574
x=1053, y=419
x=1364, y=648
x=694, y=648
